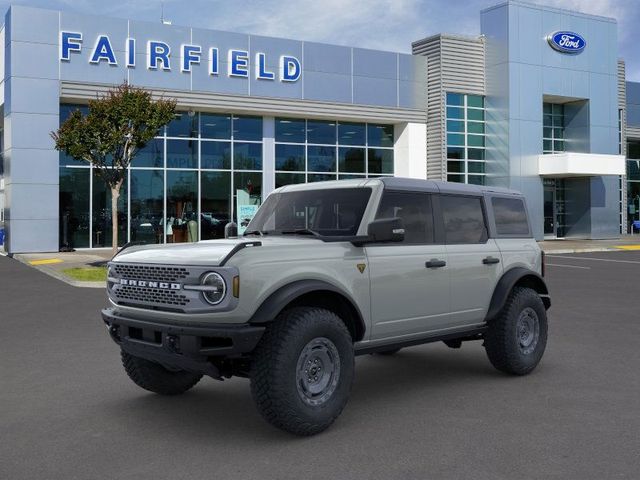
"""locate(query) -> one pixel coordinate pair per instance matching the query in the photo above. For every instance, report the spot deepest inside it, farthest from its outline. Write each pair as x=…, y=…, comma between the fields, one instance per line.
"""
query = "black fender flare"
x=516, y=276
x=278, y=300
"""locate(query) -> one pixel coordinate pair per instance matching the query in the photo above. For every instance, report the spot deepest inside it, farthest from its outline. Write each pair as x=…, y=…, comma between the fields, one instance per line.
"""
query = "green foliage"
x=87, y=274
x=117, y=126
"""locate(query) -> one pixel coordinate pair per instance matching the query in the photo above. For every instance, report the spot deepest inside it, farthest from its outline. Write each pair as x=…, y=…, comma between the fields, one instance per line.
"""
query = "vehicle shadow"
x=214, y=409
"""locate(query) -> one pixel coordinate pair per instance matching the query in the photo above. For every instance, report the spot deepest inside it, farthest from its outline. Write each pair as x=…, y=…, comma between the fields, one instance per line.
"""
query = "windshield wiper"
x=300, y=231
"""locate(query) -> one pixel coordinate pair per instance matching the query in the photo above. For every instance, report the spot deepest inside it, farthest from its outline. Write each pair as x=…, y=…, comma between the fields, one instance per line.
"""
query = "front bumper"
x=188, y=348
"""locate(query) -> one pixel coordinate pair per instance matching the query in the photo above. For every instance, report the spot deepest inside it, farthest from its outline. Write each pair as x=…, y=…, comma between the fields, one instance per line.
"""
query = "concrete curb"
x=59, y=276
x=581, y=250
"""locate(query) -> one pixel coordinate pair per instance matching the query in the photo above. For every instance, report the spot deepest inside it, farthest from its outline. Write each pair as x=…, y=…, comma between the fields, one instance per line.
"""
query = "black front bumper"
x=190, y=348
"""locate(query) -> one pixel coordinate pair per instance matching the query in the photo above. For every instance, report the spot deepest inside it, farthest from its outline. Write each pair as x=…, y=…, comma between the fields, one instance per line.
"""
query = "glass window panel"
x=557, y=121
x=558, y=133
x=475, y=153
x=68, y=160
x=476, y=179
x=475, y=127
x=247, y=156
x=476, y=167
x=152, y=155
x=510, y=216
x=147, y=206
x=247, y=127
x=477, y=115
x=455, y=178
x=290, y=157
x=182, y=207
x=351, y=133
x=455, y=153
x=547, y=120
x=215, y=155
x=633, y=149
x=215, y=126
x=345, y=176
x=182, y=154
x=414, y=209
x=455, y=113
x=67, y=108
x=74, y=207
x=547, y=145
x=101, y=215
x=379, y=135
x=558, y=146
x=185, y=124
x=547, y=132
x=321, y=132
x=321, y=159
x=475, y=101
x=546, y=108
x=250, y=183
x=316, y=177
x=463, y=219
x=215, y=202
x=380, y=161
x=290, y=130
x=455, y=139
x=455, y=167
x=633, y=170
x=456, y=126
x=455, y=99
x=475, y=140
x=558, y=109
x=283, y=179
x=351, y=160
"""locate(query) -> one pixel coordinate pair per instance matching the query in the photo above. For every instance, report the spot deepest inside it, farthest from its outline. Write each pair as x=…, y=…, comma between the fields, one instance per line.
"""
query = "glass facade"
x=318, y=150
x=553, y=140
x=180, y=188
x=465, y=130
x=633, y=182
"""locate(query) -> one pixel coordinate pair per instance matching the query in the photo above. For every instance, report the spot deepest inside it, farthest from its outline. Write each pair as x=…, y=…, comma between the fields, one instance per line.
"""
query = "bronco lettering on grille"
x=150, y=284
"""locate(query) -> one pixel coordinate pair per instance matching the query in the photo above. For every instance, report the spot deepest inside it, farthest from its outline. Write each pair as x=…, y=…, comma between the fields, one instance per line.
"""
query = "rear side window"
x=510, y=215
x=414, y=209
x=463, y=219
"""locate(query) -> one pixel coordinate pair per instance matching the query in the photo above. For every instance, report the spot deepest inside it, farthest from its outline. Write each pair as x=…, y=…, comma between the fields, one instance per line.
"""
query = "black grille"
x=151, y=272
x=150, y=295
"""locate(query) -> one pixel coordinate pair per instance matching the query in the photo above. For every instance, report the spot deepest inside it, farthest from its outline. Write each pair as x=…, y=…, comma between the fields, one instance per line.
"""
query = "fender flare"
x=511, y=278
x=278, y=300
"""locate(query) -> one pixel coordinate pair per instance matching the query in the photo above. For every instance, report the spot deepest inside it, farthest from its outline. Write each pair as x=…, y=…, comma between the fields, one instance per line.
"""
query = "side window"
x=510, y=215
x=415, y=211
x=463, y=219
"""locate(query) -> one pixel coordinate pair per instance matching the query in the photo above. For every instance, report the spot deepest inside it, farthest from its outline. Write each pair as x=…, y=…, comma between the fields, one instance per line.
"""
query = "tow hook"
x=173, y=344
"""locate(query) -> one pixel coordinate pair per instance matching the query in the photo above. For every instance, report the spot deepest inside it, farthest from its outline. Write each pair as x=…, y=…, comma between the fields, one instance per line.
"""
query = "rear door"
x=474, y=260
x=409, y=280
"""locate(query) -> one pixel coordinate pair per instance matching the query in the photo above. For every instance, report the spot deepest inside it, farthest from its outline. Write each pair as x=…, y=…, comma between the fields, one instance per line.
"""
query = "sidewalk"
x=626, y=242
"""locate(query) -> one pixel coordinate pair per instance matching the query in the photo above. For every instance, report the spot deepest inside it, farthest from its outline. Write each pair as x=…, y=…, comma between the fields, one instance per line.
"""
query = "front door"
x=409, y=280
x=554, y=208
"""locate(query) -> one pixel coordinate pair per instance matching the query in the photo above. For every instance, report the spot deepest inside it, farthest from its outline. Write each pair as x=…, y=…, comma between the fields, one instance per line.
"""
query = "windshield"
x=324, y=212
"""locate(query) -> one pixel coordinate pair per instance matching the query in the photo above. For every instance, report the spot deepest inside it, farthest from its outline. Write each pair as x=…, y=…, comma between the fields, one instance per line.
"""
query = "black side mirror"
x=386, y=230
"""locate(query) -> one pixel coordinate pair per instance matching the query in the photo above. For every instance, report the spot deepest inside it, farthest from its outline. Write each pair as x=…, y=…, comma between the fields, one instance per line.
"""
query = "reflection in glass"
x=215, y=202
x=250, y=184
x=290, y=130
x=215, y=155
x=147, y=187
x=290, y=157
x=215, y=126
x=182, y=153
x=151, y=155
x=181, y=223
x=351, y=160
x=317, y=177
x=74, y=207
x=283, y=179
x=319, y=131
x=455, y=99
x=101, y=215
x=65, y=112
x=185, y=124
x=247, y=128
x=351, y=133
x=379, y=135
x=247, y=156
x=321, y=159
x=380, y=160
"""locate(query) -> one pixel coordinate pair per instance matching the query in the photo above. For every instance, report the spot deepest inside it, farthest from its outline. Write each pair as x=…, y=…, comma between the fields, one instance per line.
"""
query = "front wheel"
x=302, y=370
x=517, y=338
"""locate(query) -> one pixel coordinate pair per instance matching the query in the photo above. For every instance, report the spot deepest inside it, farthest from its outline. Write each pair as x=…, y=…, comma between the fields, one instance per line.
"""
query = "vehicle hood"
x=207, y=252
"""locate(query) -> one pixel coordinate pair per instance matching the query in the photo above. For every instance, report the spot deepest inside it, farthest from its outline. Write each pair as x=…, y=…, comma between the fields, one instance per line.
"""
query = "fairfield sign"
x=159, y=56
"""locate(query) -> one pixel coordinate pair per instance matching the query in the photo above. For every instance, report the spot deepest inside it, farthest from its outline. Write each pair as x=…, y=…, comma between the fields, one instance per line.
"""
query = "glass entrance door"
x=554, y=208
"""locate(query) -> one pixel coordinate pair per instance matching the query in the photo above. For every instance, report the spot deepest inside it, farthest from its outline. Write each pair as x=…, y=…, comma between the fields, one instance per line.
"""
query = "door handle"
x=435, y=263
x=490, y=260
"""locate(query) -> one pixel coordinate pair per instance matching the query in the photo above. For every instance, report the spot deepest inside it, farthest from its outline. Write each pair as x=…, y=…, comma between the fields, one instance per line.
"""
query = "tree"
x=117, y=126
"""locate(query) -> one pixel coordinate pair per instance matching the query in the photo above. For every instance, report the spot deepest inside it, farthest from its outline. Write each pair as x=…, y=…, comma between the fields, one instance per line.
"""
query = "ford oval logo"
x=567, y=42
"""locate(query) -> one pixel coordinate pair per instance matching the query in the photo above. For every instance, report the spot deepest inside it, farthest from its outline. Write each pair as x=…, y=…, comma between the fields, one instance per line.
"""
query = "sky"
x=378, y=24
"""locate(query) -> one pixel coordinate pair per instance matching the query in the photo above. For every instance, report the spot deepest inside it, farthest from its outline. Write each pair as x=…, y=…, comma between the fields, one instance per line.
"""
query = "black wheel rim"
x=318, y=371
x=528, y=330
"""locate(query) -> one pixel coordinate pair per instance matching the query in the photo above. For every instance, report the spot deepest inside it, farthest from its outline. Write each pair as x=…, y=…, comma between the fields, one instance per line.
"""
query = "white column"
x=268, y=156
x=410, y=150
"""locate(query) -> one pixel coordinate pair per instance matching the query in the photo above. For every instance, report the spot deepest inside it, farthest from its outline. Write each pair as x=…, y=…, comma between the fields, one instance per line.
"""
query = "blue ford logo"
x=567, y=42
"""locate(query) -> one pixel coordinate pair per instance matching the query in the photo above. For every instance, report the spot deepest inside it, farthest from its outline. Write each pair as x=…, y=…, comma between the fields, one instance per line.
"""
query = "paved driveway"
x=68, y=411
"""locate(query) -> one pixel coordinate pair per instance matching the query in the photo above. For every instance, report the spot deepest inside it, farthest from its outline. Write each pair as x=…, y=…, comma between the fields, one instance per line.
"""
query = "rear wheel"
x=156, y=378
x=517, y=338
x=302, y=370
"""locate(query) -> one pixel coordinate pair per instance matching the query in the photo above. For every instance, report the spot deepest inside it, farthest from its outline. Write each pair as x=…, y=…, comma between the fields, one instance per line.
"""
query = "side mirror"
x=386, y=230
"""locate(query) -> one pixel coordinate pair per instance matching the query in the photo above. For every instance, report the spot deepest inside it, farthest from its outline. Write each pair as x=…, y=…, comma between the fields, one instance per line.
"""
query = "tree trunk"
x=115, y=194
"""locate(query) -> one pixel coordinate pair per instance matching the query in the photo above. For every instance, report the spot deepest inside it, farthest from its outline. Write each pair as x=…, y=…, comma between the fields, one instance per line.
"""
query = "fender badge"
x=361, y=267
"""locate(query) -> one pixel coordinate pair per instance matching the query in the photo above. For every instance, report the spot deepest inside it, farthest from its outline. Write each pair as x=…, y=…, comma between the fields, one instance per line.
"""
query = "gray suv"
x=325, y=272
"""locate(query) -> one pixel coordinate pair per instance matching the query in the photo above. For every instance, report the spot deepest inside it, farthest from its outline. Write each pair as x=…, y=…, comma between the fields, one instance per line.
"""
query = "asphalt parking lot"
x=68, y=411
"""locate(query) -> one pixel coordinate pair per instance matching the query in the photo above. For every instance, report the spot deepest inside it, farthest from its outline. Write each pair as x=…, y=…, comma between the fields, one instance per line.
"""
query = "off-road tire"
x=275, y=382
x=502, y=340
x=391, y=351
x=155, y=378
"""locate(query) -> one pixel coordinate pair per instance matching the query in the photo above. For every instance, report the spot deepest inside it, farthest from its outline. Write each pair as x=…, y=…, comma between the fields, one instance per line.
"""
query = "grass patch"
x=87, y=274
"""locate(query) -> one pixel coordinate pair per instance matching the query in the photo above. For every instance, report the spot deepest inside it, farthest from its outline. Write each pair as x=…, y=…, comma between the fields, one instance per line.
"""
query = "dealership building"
x=538, y=102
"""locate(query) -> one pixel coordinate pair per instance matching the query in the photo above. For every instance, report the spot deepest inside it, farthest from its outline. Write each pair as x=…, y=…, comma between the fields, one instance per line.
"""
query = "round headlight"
x=216, y=288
